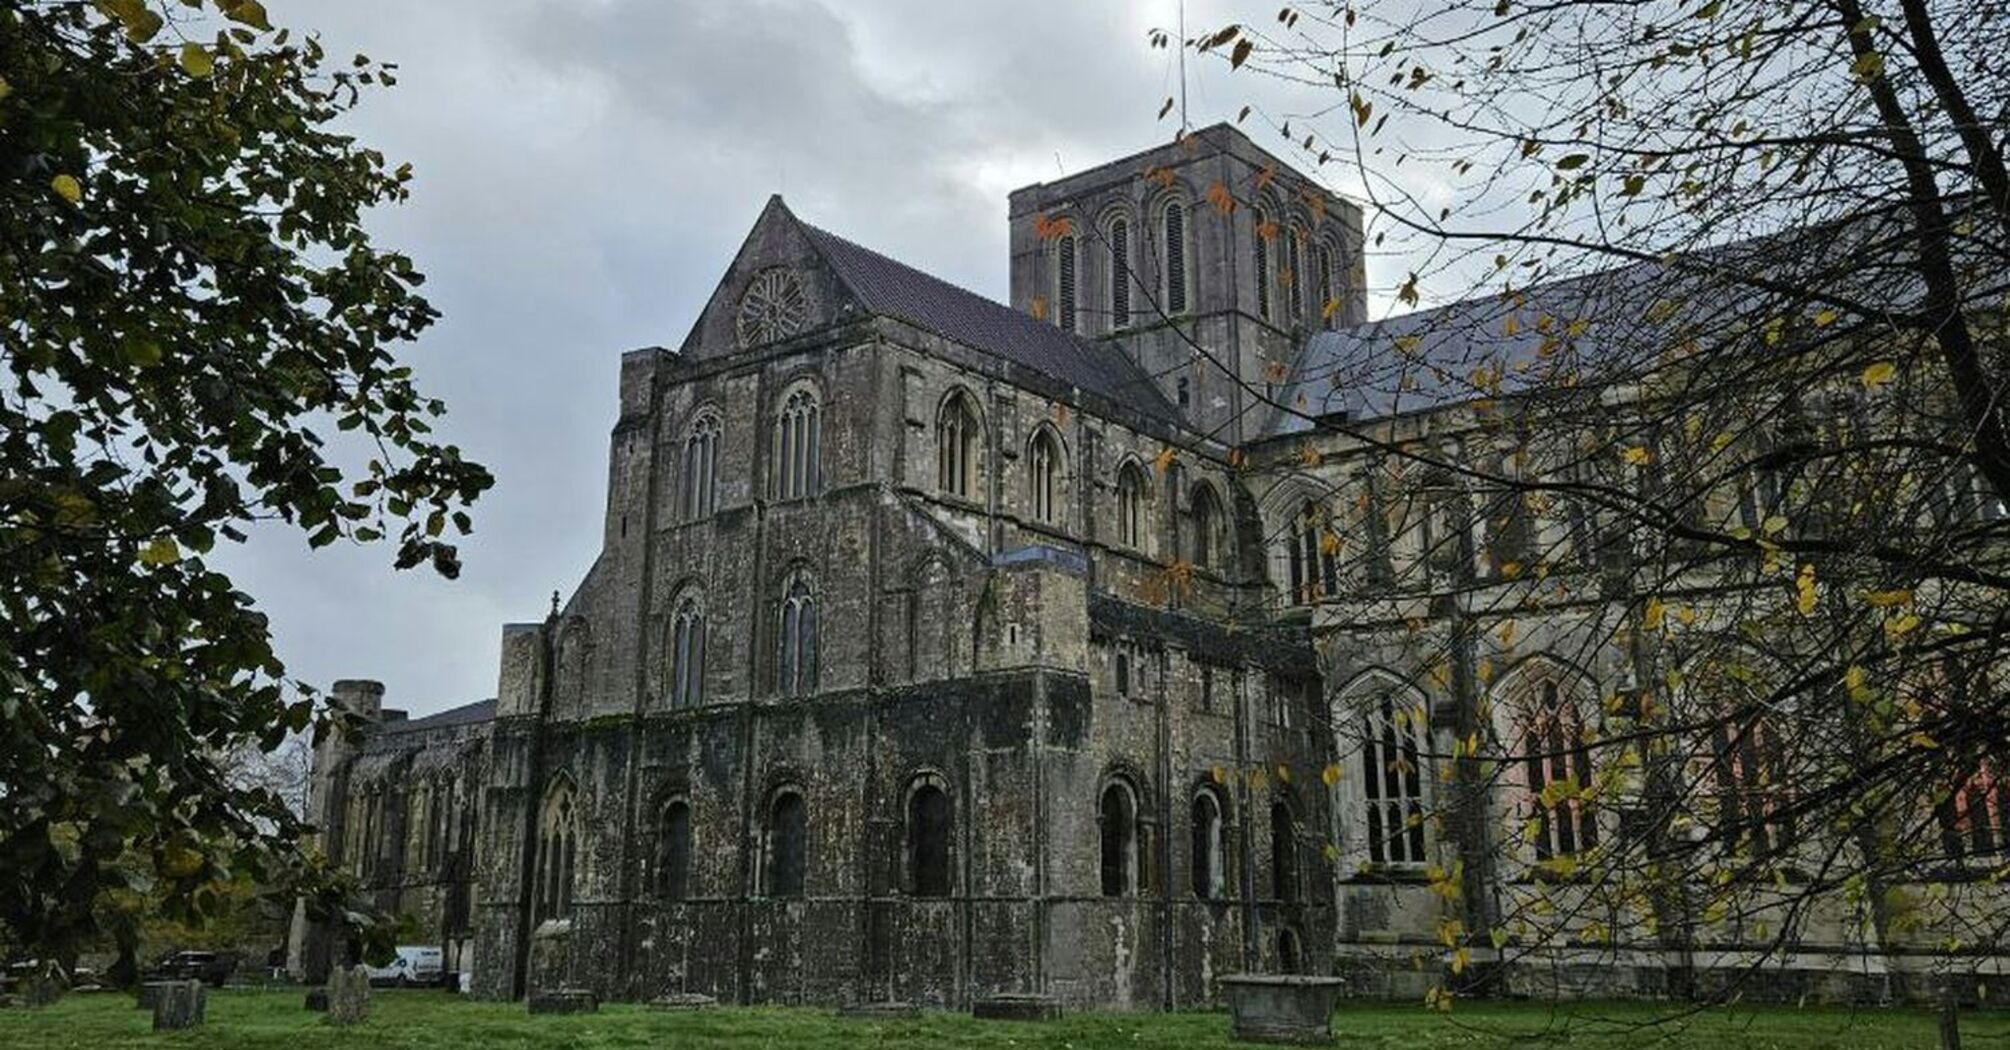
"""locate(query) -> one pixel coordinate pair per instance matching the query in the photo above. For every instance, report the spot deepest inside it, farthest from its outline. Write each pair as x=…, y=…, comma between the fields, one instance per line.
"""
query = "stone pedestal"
x=348, y=996
x=879, y=1011
x=179, y=1005
x=683, y=1001
x=563, y=1001
x=1017, y=1006
x=1280, y=1008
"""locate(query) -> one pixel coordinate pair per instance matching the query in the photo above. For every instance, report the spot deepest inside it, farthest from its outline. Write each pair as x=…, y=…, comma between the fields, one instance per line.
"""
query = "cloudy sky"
x=586, y=169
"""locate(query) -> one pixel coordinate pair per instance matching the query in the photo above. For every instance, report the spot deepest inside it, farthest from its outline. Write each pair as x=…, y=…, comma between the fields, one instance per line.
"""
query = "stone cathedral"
x=939, y=648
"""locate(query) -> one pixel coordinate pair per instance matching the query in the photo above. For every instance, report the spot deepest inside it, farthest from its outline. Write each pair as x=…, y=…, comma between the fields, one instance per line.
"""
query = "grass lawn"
x=277, y=1020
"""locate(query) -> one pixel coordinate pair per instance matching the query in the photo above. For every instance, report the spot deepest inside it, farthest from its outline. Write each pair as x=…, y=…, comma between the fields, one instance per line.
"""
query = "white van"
x=415, y=964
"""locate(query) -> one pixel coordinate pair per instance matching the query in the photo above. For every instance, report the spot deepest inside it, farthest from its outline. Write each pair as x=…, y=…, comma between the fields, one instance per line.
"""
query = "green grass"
x=426, y=1020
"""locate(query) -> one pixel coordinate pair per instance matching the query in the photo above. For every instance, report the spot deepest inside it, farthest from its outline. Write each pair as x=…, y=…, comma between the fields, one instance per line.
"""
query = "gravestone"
x=683, y=1001
x=43, y=987
x=1016, y=1006
x=179, y=1005
x=880, y=1011
x=348, y=995
x=150, y=993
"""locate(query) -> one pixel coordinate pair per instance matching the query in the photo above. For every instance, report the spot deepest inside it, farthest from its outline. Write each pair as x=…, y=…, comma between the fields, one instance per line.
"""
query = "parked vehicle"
x=415, y=964
x=211, y=968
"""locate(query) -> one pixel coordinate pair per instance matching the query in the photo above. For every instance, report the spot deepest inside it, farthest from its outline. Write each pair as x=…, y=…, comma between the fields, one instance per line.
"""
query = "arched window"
x=557, y=851
x=1283, y=853
x=1206, y=527
x=701, y=460
x=1290, y=956
x=1117, y=815
x=1314, y=572
x=1175, y=269
x=797, y=670
x=1554, y=751
x=928, y=830
x=1329, y=306
x=1210, y=876
x=1392, y=780
x=957, y=434
x=1043, y=476
x=687, y=654
x=1974, y=819
x=1123, y=671
x=1064, y=283
x=1120, y=273
x=1293, y=277
x=1261, y=247
x=798, y=446
x=1749, y=763
x=788, y=832
x=1131, y=506
x=673, y=851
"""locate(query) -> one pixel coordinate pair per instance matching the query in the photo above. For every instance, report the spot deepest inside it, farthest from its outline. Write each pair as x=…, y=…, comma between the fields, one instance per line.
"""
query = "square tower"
x=1208, y=261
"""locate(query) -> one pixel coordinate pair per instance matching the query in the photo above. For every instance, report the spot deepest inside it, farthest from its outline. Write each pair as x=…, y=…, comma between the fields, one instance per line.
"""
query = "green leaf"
x=1573, y=162
x=140, y=350
x=196, y=60
x=248, y=12
x=162, y=551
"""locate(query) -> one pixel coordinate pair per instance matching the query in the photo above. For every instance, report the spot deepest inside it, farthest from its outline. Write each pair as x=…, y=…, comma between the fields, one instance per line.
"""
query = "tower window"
x=1064, y=279
x=1329, y=306
x=1262, y=249
x=687, y=654
x=1120, y=274
x=1206, y=526
x=798, y=441
x=1291, y=277
x=798, y=670
x=1283, y=853
x=701, y=460
x=1176, y=275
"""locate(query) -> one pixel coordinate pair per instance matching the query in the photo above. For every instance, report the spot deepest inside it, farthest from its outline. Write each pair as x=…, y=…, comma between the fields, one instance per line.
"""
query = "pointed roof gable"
x=894, y=289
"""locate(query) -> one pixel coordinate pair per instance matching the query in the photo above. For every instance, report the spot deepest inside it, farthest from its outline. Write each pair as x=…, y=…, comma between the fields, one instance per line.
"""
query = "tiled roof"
x=895, y=289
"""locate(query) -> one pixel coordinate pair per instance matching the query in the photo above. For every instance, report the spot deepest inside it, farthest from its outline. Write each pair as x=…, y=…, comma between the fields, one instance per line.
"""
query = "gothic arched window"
x=798, y=446
x=1131, y=506
x=1043, y=476
x=1392, y=780
x=1314, y=572
x=1293, y=277
x=1554, y=751
x=673, y=851
x=1329, y=305
x=788, y=834
x=1283, y=853
x=1175, y=256
x=1261, y=246
x=1120, y=273
x=798, y=667
x=1209, y=871
x=701, y=461
x=687, y=654
x=1749, y=765
x=1206, y=526
x=1117, y=815
x=928, y=832
x=1064, y=283
x=557, y=852
x=956, y=438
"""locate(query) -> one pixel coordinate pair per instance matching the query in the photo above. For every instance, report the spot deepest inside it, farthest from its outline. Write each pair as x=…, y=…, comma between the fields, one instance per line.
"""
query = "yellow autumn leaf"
x=1637, y=455
x=162, y=551
x=1885, y=599
x=1804, y=590
x=1331, y=774
x=1283, y=773
x=1165, y=458
x=1879, y=374
x=1219, y=774
x=68, y=188
x=196, y=60
x=1651, y=619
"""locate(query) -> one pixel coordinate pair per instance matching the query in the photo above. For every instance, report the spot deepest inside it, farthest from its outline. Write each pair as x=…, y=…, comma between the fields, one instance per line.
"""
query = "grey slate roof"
x=894, y=289
x=466, y=714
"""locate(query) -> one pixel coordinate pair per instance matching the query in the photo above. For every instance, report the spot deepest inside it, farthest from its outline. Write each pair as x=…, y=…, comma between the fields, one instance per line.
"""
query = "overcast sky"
x=585, y=170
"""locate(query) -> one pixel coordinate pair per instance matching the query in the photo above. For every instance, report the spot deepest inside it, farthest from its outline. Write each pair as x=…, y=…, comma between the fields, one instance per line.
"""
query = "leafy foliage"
x=191, y=304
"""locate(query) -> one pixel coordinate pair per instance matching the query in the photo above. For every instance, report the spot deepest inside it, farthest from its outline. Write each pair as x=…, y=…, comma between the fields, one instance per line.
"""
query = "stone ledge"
x=563, y=1001
x=1017, y=1006
x=884, y=1010
x=683, y=1001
